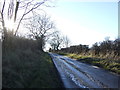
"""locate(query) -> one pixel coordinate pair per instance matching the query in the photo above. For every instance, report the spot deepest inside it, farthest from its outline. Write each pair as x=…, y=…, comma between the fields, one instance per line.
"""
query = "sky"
x=85, y=22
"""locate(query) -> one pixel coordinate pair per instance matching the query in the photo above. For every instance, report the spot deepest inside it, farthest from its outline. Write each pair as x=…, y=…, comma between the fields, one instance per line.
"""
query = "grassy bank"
x=108, y=64
x=27, y=69
x=23, y=67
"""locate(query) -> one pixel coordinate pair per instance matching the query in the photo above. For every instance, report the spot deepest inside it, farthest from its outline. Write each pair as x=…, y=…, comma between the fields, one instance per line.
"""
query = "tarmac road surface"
x=75, y=74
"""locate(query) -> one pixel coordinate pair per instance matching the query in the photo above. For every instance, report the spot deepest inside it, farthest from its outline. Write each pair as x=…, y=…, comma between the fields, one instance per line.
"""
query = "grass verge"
x=108, y=64
x=28, y=69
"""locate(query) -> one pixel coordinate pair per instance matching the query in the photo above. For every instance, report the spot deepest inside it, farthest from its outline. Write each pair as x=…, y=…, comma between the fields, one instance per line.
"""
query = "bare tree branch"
x=57, y=41
x=40, y=27
x=3, y=7
x=27, y=12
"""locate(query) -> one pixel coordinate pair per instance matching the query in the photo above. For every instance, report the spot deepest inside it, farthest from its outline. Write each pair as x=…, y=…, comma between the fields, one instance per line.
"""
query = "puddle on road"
x=70, y=74
x=89, y=76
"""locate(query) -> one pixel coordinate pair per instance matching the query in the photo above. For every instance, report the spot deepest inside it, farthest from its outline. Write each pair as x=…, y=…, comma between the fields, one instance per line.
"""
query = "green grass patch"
x=28, y=69
x=46, y=76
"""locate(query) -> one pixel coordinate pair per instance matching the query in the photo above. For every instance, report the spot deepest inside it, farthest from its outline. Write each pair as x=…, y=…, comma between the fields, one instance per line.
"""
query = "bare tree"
x=2, y=17
x=57, y=41
x=9, y=9
x=66, y=41
x=41, y=28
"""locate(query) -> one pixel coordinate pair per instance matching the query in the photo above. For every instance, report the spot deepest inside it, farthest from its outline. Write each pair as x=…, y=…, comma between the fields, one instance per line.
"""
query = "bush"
x=25, y=66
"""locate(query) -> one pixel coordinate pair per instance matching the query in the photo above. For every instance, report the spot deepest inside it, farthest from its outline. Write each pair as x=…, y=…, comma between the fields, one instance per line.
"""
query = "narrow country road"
x=75, y=74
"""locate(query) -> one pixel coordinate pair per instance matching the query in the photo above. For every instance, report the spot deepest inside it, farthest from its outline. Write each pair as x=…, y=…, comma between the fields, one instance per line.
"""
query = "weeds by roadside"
x=24, y=66
x=108, y=64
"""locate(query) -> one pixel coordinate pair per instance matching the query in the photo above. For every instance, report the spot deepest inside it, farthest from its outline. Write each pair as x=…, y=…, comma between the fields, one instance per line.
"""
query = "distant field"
x=108, y=64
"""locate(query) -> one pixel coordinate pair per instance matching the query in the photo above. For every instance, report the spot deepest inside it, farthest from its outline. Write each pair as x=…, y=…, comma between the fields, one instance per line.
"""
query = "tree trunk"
x=40, y=41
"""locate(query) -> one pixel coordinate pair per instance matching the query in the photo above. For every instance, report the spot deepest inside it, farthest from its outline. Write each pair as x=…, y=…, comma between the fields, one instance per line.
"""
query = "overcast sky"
x=86, y=22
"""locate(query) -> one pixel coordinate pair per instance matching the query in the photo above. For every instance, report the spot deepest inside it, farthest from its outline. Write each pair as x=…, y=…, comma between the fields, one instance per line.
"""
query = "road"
x=75, y=74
